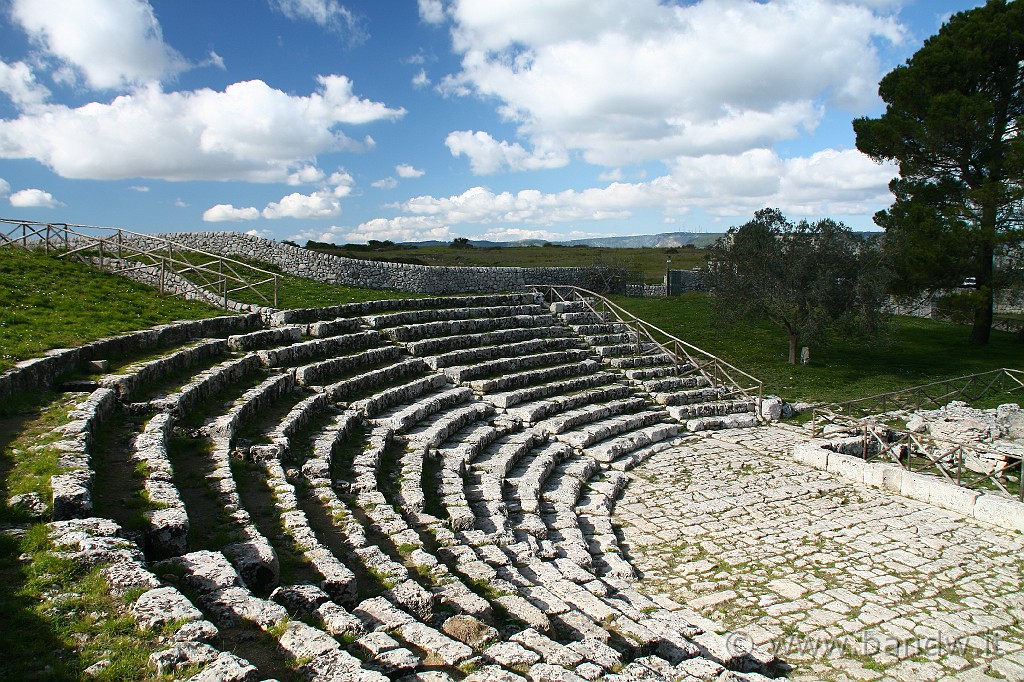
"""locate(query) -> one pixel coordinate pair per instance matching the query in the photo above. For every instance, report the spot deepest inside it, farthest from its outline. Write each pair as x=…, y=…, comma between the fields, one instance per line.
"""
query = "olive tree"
x=809, y=279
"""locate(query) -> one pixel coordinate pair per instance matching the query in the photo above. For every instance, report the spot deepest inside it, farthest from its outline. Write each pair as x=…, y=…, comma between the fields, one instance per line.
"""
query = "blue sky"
x=345, y=121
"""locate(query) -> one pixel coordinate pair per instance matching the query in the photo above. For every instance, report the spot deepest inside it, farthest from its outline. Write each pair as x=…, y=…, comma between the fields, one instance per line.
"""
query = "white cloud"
x=112, y=43
x=33, y=198
x=305, y=175
x=19, y=83
x=304, y=206
x=487, y=155
x=404, y=170
x=5, y=188
x=329, y=14
x=249, y=131
x=341, y=183
x=628, y=81
x=420, y=80
x=181, y=203
x=266, y=234
x=228, y=213
x=829, y=182
x=139, y=188
x=400, y=229
x=515, y=234
x=431, y=11
x=385, y=183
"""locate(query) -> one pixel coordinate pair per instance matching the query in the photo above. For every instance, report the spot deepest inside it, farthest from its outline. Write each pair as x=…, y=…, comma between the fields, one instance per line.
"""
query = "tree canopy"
x=952, y=123
x=808, y=278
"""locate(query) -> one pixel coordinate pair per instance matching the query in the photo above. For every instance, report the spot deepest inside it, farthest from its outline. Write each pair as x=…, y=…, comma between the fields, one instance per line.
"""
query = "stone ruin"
x=440, y=474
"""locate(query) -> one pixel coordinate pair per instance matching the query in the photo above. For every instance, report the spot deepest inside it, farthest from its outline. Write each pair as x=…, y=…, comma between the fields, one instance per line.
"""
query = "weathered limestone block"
x=337, y=620
x=469, y=631
x=511, y=654
x=167, y=534
x=1000, y=511
x=72, y=495
x=256, y=562
x=266, y=337
x=545, y=672
x=163, y=605
x=227, y=668
x=847, y=466
x=180, y=655
x=380, y=614
x=303, y=641
x=432, y=641
x=204, y=571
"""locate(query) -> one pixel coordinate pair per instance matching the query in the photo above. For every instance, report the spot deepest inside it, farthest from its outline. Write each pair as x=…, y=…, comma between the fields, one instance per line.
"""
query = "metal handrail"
x=713, y=368
x=219, y=275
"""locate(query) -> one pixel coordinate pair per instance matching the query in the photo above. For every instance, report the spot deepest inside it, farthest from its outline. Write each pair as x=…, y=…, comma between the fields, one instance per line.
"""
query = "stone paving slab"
x=843, y=582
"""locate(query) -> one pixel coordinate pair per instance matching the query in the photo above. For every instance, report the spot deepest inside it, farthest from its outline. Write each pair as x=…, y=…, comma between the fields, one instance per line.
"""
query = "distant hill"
x=647, y=241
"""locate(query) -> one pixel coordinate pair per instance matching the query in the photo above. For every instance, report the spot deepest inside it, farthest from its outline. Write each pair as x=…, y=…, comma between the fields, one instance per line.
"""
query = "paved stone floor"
x=842, y=582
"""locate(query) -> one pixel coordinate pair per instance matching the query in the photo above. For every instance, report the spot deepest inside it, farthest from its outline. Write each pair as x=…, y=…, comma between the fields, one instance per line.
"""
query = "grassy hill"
x=46, y=303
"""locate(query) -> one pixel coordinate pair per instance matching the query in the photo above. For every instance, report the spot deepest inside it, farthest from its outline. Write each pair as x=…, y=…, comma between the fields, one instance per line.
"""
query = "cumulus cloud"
x=109, y=43
x=830, y=182
x=341, y=183
x=329, y=14
x=249, y=131
x=227, y=213
x=304, y=206
x=487, y=155
x=629, y=81
x=19, y=83
x=404, y=170
x=33, y=198
x=305, y=175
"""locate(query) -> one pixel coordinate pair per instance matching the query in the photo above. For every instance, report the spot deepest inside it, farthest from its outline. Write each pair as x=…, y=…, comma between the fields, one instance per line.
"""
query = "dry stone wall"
x=422, y=279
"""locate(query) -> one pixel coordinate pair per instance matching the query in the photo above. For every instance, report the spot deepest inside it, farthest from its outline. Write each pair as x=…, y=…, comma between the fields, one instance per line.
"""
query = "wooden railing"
x=652, y=340
x=123, y=251
x=969, y=388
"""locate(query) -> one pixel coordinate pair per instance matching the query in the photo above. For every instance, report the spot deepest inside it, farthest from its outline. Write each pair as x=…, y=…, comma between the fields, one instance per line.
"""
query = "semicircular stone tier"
x=398, y=488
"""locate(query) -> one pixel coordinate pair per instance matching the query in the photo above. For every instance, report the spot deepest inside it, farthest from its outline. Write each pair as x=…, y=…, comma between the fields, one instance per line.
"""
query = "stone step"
x=453, y=343
x=508, y=365
x=409, y=317
x=517, y=396
x=526, y=378
x=129, y=379
x=470, y=356
x=426, y=330
x=323, y=347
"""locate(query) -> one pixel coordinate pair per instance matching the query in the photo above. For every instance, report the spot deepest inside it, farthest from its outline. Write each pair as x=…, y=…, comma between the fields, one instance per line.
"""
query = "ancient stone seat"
x=128, y=379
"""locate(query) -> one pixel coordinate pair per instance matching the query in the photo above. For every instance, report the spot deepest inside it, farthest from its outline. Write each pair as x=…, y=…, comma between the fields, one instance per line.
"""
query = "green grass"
x=50, y=303
x=918, y=351
x=61, y=618
x=650, y=262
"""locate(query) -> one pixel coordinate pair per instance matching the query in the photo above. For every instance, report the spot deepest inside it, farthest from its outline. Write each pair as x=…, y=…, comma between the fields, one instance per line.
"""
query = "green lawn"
x=918, y=351
x=49, y=303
